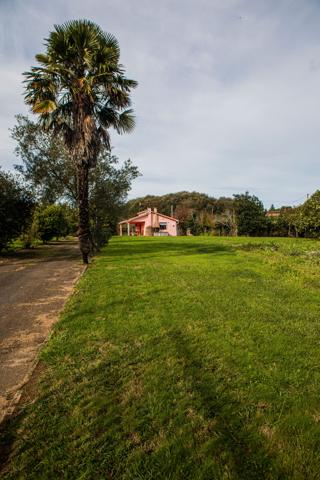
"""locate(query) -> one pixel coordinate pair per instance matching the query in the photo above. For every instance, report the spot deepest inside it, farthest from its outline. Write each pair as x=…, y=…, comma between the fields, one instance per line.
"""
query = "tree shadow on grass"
x=8, y=434
x=96, y=392
x=166, y=247
x=238, y=443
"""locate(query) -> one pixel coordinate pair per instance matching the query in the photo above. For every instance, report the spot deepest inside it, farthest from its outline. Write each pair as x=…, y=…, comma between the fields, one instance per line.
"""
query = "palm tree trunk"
x=84, y=234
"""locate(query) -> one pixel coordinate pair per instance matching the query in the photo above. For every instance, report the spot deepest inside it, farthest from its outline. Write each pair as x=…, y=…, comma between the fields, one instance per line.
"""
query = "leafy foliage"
x=307, y=217
x=16, y=206
x=278, y=226
x=301, y=221
x=47, y=164
x=53, y=221
x=109, y=186
x=190, y=200
x=250, y=214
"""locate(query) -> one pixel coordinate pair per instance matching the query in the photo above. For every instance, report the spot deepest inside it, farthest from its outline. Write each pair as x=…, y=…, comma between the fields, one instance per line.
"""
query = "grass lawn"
x=182, y=358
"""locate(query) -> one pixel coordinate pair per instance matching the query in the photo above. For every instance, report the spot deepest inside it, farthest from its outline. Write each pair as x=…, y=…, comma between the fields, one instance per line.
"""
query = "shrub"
x=250, y=215
x=16, y=207
x=51, y=221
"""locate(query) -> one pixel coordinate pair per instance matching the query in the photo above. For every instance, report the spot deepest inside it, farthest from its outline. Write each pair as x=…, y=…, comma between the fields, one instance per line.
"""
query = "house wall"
x=171, y=225
x=148, y=225
x=153, y=220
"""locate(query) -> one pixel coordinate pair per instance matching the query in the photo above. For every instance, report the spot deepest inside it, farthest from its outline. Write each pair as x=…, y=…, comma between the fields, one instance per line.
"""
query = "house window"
x=163, y=226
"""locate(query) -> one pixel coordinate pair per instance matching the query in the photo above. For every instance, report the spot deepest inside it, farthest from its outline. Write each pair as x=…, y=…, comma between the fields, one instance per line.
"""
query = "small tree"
x=46, y=162
x=250, y=215
x=278, y=226
x=307, y=217
x=16, y=206
x=51, y=221
x=109, y=186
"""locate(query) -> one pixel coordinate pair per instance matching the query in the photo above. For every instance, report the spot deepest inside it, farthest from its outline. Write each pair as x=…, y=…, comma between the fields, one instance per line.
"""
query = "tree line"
x=241, y=214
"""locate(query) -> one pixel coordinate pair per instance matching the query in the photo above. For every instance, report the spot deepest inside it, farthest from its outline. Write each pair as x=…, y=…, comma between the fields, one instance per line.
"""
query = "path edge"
x=13, y=406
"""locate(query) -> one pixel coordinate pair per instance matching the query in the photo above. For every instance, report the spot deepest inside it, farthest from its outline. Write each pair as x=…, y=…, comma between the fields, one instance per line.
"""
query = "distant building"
x=273, y=213
x=276, y=212
x=149, y=223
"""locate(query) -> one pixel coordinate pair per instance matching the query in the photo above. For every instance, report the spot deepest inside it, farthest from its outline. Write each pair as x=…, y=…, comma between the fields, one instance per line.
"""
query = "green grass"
x=182, y=358
x=19, y=244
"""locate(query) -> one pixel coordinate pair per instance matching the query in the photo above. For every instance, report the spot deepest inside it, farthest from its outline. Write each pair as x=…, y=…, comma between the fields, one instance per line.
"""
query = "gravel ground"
x=34, y=285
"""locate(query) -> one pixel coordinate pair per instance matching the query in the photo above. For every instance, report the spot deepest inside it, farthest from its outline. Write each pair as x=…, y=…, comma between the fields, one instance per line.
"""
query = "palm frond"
x=79, y=88
x=44, y=106
x=42, y=58
x=126, y=121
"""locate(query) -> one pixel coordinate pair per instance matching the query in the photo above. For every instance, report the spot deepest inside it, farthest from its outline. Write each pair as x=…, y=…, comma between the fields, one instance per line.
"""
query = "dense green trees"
x=52, y=221
x=301, y=221
x=191, y=201
x=80, y=91
x=279, y=226
x=16, y=206
x=306, y=218
x=250, y=215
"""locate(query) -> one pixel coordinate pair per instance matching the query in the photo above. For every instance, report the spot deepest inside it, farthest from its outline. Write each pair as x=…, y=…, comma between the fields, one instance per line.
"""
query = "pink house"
x=150, y=223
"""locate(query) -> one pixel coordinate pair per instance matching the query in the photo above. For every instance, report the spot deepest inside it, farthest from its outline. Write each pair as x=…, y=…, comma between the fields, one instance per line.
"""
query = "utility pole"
x=171, y=210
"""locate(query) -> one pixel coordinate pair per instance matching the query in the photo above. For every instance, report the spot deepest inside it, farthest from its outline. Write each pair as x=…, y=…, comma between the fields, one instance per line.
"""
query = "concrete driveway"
x=34, y=285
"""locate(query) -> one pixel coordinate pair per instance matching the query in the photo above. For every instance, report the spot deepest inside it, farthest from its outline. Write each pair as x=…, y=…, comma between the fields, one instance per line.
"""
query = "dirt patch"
x=34, y=287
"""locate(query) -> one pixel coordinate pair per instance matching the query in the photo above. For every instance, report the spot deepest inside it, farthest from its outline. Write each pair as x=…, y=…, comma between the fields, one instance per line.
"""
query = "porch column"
x=128, y=229
x=120, y=229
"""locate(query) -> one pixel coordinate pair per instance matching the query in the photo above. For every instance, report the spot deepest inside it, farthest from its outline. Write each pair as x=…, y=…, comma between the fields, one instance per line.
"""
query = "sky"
x=229, y=90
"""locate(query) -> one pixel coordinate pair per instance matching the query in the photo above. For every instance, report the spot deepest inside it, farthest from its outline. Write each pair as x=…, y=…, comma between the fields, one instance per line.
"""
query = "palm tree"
x=80, y=91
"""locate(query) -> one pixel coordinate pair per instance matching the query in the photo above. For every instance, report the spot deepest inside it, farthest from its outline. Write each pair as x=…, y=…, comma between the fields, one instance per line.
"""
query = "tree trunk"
x=84, y=235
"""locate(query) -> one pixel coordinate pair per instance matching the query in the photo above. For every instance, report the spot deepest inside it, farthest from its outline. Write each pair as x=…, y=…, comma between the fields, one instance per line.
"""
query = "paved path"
x=34, y=286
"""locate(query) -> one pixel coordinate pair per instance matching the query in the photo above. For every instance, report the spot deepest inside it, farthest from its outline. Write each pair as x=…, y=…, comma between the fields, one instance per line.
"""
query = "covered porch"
x=132, y=228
